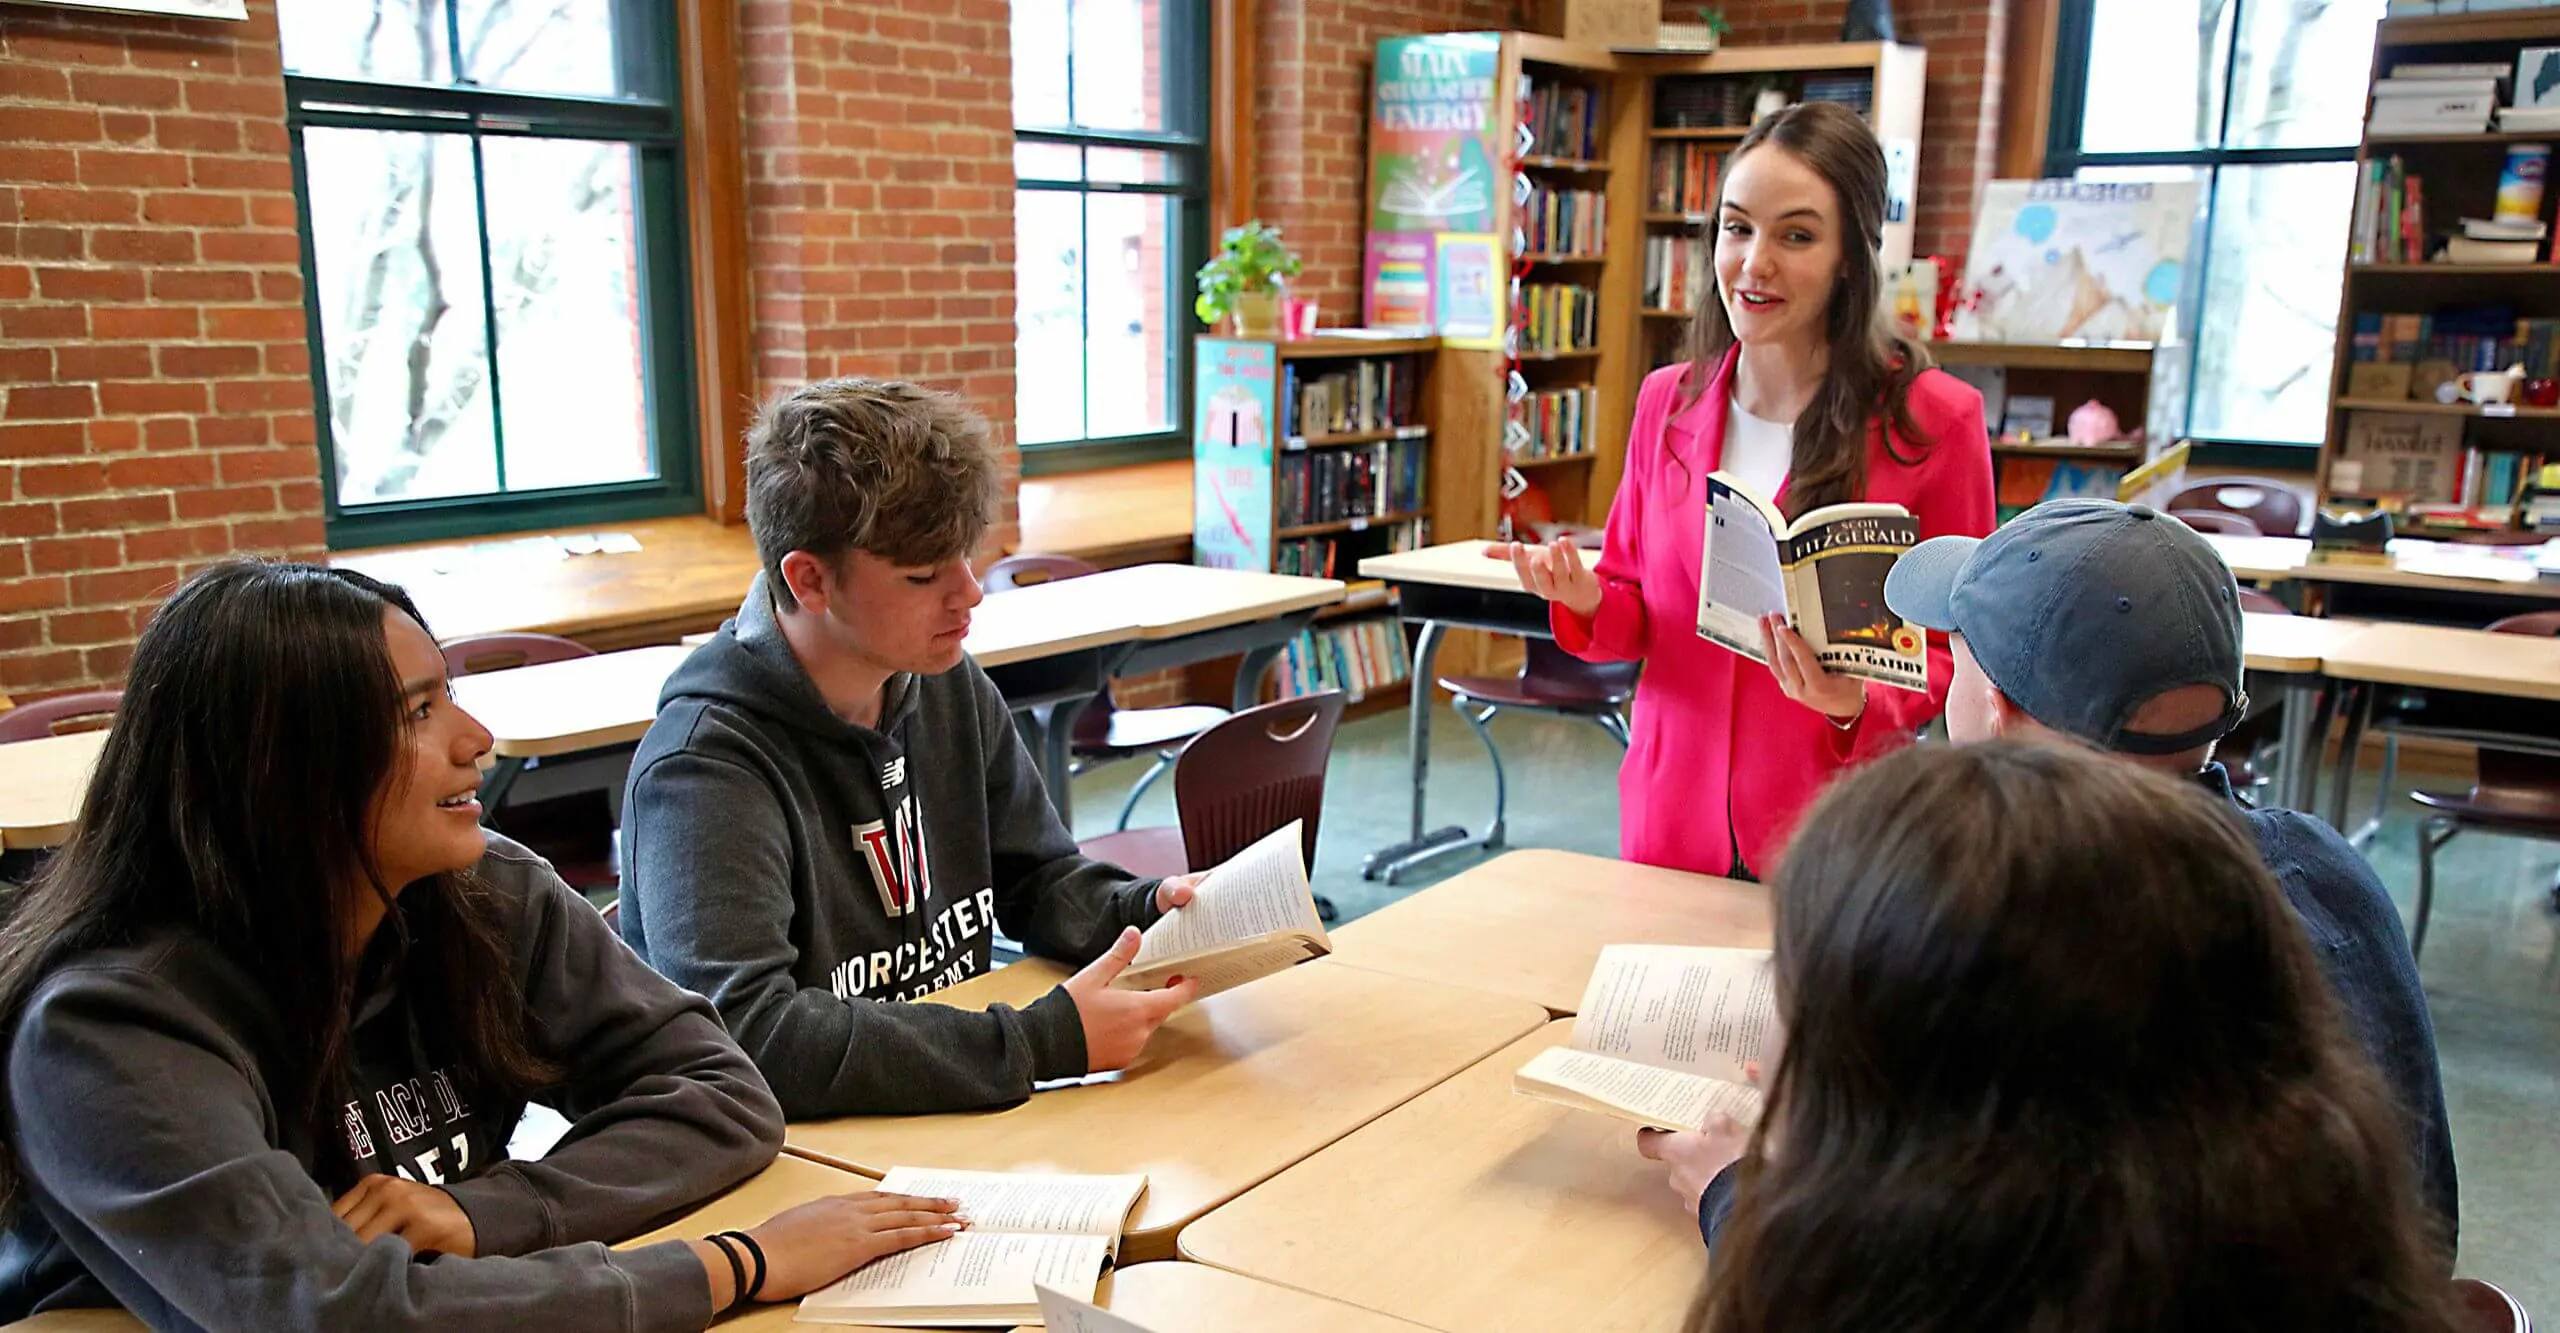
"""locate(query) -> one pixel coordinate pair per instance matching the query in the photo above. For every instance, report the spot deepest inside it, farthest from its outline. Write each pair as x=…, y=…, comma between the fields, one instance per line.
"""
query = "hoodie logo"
x=894, y=851
x=893, y=774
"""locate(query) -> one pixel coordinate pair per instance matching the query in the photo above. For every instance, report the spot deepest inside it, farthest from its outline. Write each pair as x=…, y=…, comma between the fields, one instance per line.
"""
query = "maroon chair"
x=89, y=710
x=1104, y=732
x=2482, y=1306
x=2216, y=522
x=2516, y=793
x=2276, y=508
x=1235, y=784
x=501, y=652
x=2263, y=602
x=1550, y=681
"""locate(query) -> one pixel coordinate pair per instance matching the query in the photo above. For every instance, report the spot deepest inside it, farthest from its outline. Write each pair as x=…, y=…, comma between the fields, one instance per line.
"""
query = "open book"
x=1824, y=572
x=1662, y=1036
x=1063, y=1313
x=1249, y=918
x=1025, y=1231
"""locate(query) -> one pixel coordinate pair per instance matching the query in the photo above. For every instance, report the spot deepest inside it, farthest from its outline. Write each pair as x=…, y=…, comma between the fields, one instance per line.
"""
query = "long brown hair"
x=1871, y=366
x=2059, y=1058
x=235, y=799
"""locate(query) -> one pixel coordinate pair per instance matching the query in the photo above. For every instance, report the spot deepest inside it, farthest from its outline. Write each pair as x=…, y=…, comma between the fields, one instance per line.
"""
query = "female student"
x=276, y=1008
x=2058, y=1056
x=1795, y=384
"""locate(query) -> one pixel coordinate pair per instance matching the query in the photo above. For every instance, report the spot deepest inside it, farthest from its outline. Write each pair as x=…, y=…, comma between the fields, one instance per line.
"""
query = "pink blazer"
x=1723, y=763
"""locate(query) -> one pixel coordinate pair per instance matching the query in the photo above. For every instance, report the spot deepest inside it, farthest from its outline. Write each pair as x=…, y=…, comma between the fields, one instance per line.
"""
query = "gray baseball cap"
x=2081, y=611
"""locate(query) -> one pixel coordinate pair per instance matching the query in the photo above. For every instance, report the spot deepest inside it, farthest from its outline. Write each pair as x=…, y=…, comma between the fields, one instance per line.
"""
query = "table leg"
x=1248, y=690
x=2301, y=703
x=2359, y=709
x=1387, y=861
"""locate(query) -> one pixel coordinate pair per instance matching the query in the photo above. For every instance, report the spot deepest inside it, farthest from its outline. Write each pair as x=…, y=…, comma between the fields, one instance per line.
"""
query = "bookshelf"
x=2407, y=320
x=2066, y=375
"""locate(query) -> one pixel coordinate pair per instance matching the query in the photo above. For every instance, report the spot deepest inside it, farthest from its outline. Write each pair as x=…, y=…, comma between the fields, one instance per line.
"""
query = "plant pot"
x=1255, y=314
x=1686, y=37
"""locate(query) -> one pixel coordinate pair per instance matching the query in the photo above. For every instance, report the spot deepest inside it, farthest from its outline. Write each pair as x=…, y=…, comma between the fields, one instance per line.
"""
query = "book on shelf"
x=1359, y=657
x=1701, y=102
x=1684, y=177
x=2528, y=119
x=1563, y=117
x=1824, y=571
x=2388, y=224
x=1663, y=1037
x=2465, y=250
x=1554, y=423
x=1332, y=485
x=2432, y=105
x=1336, y=555
x=2385, y=348
x=1347, y=397
x=2411, y=457
x=1564, y=222
x=1558, y=317
x=1025, y=1231
x=1675, y=272
x=1251, y=917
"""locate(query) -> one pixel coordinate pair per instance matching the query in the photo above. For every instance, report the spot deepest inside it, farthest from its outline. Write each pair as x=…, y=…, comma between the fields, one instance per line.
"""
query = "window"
x=1110, y=114
x=492, y=205
x=2262, y=101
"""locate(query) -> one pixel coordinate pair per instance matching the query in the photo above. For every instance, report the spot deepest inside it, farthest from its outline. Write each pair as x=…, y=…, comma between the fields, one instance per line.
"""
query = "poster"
x=1235, y=414
x=185, y=9
x=1436, y=154
x=2060, y=260
x=1467, y=304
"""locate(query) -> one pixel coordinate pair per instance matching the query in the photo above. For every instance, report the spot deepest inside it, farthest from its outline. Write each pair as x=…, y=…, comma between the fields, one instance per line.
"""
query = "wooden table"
x=1473, y=1209
x=1230, y=1091
x=2416, y=563
x=1195, y=1298
x=562, y=708
x=2514, y=666
x=1110, y=516
x=42, y=783
x=2290, y=649
x=688, y=574
x=1531, y=924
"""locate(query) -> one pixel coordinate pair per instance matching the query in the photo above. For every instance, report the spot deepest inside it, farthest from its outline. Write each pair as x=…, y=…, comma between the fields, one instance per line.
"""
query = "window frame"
x=2074, y=26
x=1185, y=142
x=654, y=129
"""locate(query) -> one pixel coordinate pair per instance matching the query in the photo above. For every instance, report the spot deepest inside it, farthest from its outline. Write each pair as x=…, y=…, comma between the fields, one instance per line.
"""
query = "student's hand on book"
x=424, y=1216
x=807, y=1247
x=1554, y=571
x=1175, y=890
x=1695, y=1157
x=1802, y=676
x=1117, y=1023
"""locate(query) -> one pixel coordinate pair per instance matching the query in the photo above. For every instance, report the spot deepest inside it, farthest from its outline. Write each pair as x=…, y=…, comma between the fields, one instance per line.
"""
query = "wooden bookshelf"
x=2027, y=471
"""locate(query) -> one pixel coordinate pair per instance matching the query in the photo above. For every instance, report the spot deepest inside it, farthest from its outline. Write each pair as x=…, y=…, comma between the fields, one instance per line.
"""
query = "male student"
x=832, y=814
x=2117, y=626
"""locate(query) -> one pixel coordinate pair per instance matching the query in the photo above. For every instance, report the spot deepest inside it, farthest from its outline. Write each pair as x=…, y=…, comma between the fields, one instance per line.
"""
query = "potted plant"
x=1704, y=35
x=1242, y=282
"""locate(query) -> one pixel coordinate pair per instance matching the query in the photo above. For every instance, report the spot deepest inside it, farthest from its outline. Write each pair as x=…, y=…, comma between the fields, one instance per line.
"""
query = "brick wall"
x=155, y=398
x=880, y=197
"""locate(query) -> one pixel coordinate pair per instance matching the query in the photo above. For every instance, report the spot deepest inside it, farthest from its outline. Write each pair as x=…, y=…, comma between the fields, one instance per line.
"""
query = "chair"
x=2517, y=791
x=2216, y=522
x=2275, y=507
x=1550, y=681
x=2483, y=1307
x=1235, y=783
x=89, y=710
x=1103, y=731
x=500, y=652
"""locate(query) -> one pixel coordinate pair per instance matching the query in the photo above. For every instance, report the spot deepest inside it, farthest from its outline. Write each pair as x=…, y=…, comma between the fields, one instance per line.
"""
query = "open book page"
x=974, y=1278
x=1649, y=1096
x=1255, y=912
x=1744, y=577
x=1705, y=1011
x=1062, y=1313
x=1836, y=562
x=1011, y=1201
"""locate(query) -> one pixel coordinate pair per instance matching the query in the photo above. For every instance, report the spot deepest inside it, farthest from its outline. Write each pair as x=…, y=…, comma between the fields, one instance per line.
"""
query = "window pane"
x=1132, y=166
x=1130, y=237
x=1048, y=162
x=2155, y=74
x=1048, y=340
x=2270, y=306
x=564, y=257
x=396, y=247
x=1040, y=63
x=1119, y=64
x=393, y=41
x=547, y=46
x=2302, y=75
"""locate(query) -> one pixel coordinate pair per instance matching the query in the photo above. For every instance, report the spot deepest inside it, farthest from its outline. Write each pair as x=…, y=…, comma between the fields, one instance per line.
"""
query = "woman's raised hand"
x=1554, y=571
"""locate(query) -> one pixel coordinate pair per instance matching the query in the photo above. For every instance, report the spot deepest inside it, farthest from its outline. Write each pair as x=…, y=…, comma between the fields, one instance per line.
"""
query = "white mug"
x=2488, y=386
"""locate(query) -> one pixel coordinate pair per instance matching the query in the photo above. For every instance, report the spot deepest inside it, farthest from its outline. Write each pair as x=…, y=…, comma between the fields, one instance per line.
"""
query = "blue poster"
x=1236, y=413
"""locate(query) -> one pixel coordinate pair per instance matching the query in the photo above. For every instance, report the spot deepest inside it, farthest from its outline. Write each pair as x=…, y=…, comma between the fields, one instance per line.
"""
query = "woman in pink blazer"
x=1795, y=383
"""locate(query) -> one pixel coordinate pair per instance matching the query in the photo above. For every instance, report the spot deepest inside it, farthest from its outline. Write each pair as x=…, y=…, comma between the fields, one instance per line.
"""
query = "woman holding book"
x=276, y=1009
x=1796, y=386
x=2059, y=1056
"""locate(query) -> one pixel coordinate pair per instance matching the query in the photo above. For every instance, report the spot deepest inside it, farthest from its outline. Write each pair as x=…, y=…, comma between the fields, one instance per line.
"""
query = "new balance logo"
x=894, y=773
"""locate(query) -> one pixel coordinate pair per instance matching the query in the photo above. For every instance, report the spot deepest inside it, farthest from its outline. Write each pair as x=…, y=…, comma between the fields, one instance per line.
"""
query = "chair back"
x=89, y=710
x=1251, y=774
x=2485, y=1308
x=2276, y=508
x=2263, y=602
x=2521, y=779
x=501, y=652
x=1556, y=672
x=2539, y=624
x=2220, y=523
x=1024, y=571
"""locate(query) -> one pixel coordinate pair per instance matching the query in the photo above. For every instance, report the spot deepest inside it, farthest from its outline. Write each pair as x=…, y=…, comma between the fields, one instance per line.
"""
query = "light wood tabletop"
x=1170, y=601
x=1045, y=619
x=1195, y=1298
x=1531, y=924
x=2293, y=645
x=42, y=782
x=1231, y=1090
x=77, y=1321
x=2518, y=666
x=689, y=573
x=557, y=708
x=1449, y=565
x=2415, y=563
x=1474, y=1208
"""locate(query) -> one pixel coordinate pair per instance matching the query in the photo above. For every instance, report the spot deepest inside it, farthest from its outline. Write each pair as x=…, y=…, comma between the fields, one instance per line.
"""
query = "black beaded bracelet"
x=737, y=1272
x=755, y=1288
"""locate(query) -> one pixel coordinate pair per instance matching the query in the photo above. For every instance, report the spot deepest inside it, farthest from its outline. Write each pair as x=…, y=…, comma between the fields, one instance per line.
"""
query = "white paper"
x=1223, y=970
x=1007, y=1201
x=1664, y=1098
x=968, y=1270
x=1259, y=890
x=1701, y=1010
x=1063, y=1313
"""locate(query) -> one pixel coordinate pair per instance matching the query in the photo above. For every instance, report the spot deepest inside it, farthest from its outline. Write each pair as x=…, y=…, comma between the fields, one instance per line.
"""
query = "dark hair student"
x=2058, y=1057
x=276, y=1008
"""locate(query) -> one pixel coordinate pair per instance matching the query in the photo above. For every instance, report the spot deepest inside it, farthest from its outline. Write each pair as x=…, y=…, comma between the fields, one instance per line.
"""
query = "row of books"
x=1563, y=118
x=2420, y=463
x=1564, y=222
x=1370, y=394
x=1555, y=423
x=1675, y=272
x=1702, y=102
x=1331, y=485
x=1338, y=555
x=1684, y=177
x=1849, y=88
x=1558, y=317
x=1357, y=657
x=2467, y=337
x=2389, y=223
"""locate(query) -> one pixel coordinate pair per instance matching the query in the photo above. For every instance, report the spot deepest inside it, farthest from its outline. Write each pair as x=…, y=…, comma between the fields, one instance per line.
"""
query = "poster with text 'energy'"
x=1436, y=140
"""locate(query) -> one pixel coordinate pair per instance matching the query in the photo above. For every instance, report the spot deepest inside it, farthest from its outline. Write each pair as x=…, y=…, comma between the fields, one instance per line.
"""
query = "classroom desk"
x=2436, y=657
x=2290, y=650
x=1444, y=587
x=1531, y=923
x=1195, y=1298
x=42, y=782
x=1472, y=1209
x=1230, y=1092
x=2490, y=584
x=562, y=708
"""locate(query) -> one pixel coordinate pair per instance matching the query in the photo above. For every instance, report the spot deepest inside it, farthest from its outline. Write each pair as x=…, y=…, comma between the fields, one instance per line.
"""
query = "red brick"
x=225, y=502
x=114, y=435
x=103, y=361
x=126, y=127
x=43, y=323
x=197, y=134
x=112, y=168
x=17, y=282
x=143, y=247
x=123, y=585
x=161, y=470
x=108, y=663
x=252, y=247
x=194, y=208
x=18, y=633
x=114, y=512
x=25, y=82
x=143, y=398
x=236, y=98
x=294, y=428
x=89, y=627
x=178, y=543
x=223, y=432
x=208, y=362
x=235, y=173
x=40, y=594
x=162, y=434
x=78, y=205
x=148, y=92
x=35, y=44
x=57, y=401
x=285, y=534
x=33, y=671
x=41, y=440
x=280, y=464
x=52, y=481
x=66, y=555
x=29, y=520
x=26, y=365
x=145, y=325
x=254, y=324
x=58, y=166
x=260, y=395
x=89, y=284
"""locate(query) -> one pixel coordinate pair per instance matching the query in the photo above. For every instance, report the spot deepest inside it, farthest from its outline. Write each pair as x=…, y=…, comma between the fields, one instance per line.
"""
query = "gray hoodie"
x=162, y=1174
x=806, y=873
